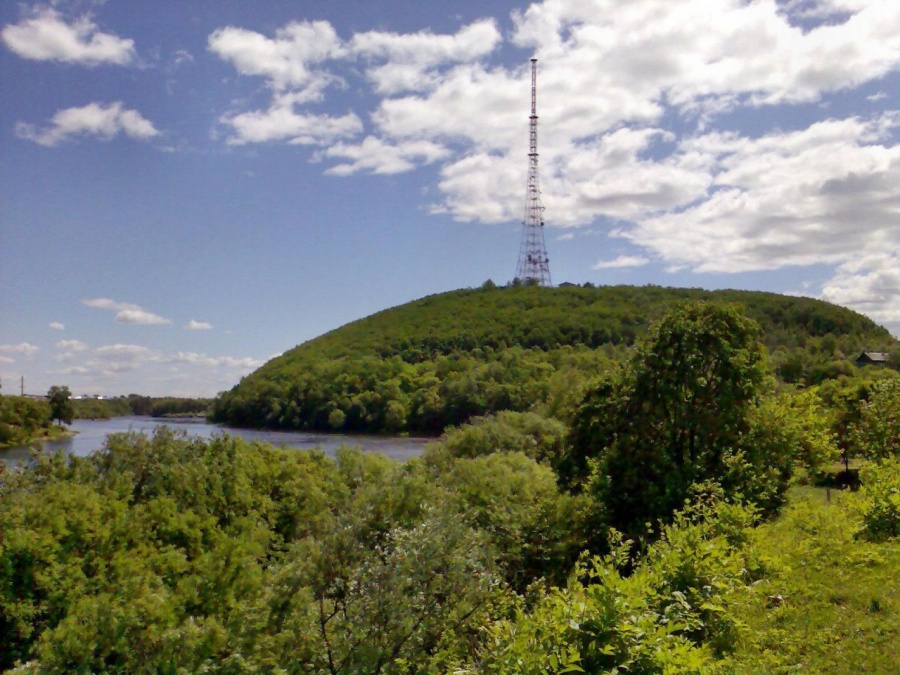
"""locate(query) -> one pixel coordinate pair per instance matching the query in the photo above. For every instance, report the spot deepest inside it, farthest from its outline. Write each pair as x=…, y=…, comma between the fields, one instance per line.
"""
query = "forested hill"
x=444, y=358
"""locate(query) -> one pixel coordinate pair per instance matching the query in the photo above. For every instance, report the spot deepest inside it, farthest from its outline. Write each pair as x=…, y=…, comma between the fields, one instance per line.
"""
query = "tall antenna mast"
x=534, y=265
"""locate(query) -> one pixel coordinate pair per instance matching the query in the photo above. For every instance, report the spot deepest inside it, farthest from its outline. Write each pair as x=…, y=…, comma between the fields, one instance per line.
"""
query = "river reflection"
x=92, y=433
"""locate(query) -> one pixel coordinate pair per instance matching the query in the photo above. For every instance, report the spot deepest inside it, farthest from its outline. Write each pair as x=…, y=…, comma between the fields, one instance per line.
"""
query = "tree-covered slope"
x=445, y=358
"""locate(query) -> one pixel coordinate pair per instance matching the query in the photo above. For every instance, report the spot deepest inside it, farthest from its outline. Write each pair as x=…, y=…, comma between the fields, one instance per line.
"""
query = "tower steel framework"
x=534, y=264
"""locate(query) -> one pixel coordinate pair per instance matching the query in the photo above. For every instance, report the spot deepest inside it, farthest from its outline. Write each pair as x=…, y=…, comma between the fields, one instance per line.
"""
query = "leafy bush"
x=877, y=503
x=536, y=531
x=540, y=438
x=671, y=614
x=877, y=432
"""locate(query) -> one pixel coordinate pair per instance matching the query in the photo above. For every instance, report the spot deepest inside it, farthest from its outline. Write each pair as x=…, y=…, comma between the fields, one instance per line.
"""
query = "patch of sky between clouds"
x=753, y=122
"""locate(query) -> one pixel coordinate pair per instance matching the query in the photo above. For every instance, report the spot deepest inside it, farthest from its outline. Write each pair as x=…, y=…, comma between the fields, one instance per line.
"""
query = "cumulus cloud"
x=622, y=261
x=197, y=325
x=72, y=345
x=377, y=156
x=290, y=64
x=123, y=357
x=409, y=62
x=282, y=122
x=115, y=365
x=47, y=37
x=56, y=325
x=195, y=359
x=824, y=194
x=103, y=121
x=869, y=284
x=25, y=349
x=288, y=59
x=127, y=312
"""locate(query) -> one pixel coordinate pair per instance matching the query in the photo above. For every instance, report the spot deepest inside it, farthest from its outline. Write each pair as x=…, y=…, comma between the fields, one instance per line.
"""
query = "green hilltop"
x=445, y=358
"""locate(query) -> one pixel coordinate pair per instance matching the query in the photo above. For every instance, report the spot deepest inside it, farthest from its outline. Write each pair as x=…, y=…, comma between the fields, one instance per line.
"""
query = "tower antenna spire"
x=534, y=264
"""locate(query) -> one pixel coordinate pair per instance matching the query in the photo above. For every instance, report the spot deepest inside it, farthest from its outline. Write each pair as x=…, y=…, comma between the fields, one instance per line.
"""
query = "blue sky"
x=191, y=187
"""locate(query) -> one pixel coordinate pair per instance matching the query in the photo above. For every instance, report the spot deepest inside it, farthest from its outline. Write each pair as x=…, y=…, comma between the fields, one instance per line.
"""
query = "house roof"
x=873, y=356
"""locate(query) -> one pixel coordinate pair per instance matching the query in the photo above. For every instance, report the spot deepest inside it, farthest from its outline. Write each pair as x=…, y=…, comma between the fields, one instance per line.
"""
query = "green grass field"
x=832, y=601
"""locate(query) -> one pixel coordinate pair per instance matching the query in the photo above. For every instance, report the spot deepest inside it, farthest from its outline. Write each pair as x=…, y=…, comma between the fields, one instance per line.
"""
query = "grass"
x=831, y=603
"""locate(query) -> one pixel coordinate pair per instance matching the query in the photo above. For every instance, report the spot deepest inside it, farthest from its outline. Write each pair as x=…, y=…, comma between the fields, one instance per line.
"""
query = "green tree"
x=675, y=417
x=877, y=433
x=61, y=404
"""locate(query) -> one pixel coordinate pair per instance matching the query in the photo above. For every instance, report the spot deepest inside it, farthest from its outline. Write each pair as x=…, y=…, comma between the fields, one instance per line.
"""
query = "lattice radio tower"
x=534, y=265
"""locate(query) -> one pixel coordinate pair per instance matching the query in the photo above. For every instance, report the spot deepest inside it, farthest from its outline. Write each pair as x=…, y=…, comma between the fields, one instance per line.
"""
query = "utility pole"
x=534, y=264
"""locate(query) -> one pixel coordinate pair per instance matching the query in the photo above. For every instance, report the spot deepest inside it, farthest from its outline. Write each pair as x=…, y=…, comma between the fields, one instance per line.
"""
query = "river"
x=90, y=435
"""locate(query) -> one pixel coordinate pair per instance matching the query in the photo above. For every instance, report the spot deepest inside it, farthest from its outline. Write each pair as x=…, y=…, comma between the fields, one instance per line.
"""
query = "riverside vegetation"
x=25, y=420
x=659, y=519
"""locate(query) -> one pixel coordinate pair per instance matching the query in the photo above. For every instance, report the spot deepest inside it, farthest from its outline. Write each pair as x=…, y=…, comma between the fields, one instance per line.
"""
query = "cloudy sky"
x=190, y=187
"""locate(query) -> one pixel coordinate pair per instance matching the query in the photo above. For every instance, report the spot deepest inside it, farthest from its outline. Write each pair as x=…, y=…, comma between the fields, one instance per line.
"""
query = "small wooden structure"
x=873, y=359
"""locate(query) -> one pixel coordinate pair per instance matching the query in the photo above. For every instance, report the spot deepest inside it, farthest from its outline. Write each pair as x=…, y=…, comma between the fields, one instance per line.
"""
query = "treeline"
x=23, y=419
x=505, y=548
x=134, y=404
x=441, y=360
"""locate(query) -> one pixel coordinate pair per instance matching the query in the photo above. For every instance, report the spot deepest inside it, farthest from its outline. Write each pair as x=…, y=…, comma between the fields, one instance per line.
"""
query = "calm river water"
x=91, y=434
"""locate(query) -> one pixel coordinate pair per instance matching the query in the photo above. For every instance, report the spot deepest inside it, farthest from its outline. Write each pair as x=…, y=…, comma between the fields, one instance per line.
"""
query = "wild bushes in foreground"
x=670, y=614
x=170, y=553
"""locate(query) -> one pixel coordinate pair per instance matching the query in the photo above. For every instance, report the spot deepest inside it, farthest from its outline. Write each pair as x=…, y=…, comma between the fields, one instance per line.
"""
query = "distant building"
x=872, y=359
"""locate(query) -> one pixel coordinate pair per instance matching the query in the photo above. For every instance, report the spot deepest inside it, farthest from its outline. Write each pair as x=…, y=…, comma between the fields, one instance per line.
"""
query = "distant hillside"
x=445, y=358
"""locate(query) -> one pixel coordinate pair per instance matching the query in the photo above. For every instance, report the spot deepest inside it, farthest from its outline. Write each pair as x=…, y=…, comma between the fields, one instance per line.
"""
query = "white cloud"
x=181, y=56
x=195, y=359
x=197, y=325
x=140, y=316
x=825, y=194
x=121, y=358
x=118, y=366
x=127, y=312
x=287, y=60
x=25, y=349
x=622, y=261
x=281, y=122
x=47, y=37
x=72, y=345
x=409, y=62
x=104, y=121
x=871, y=285
x=56, y=325
x=377, y=156
x=698, y=54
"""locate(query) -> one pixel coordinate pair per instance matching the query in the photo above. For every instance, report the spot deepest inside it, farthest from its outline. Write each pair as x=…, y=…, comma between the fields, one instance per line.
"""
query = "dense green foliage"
x=176, y=555
x=680, y=418
x=23, y=419
x=441, y=360
x=169, y=552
